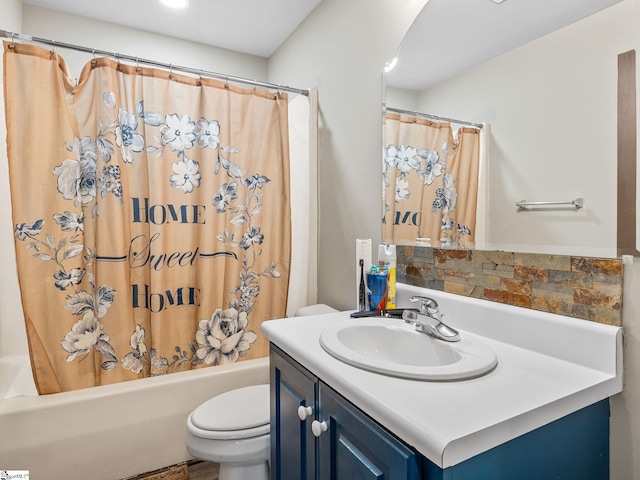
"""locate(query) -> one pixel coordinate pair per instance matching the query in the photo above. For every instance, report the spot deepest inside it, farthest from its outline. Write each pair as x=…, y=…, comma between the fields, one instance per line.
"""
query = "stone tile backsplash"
x=580, y=287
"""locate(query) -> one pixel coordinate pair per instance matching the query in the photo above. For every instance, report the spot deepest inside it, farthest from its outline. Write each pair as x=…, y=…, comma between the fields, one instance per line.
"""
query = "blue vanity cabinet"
x=349, y=445
x=293, y=394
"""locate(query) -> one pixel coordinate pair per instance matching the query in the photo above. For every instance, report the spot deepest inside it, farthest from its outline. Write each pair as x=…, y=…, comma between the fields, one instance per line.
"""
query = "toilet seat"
x=236, y=414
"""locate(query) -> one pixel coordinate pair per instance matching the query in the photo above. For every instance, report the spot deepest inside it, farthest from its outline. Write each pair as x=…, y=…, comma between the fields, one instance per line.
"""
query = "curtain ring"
x=94, y=61
x=226, y=81
x=138, y=69
x=171, y=75
x=199, y=82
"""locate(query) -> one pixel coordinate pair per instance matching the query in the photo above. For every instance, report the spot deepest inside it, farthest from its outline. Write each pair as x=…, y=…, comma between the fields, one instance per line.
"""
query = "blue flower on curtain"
x=256, y=181
x=103, y=144
x=208, y=133
x=402, y=189
x=127, y=139
x=446, y=196
x=67, y=279
x=24, y=230
x=178, y=132
x=407, y=159
x=227, y=194
x=432, y=166
x=133, y=359
x=251, y=238
x=186, y=175
x=109, y=182
x=69, y=221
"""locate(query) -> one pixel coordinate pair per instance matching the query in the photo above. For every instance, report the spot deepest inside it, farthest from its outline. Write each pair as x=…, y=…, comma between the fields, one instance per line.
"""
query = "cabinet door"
x=354, y=447
x=293, y=392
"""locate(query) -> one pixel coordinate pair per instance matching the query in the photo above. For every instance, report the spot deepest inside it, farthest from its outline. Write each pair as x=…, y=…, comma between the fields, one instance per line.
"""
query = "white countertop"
x=548, y=366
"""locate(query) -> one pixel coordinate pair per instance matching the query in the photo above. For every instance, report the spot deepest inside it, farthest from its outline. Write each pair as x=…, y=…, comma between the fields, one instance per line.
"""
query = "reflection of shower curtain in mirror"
x=430, y=181
x=152, y=218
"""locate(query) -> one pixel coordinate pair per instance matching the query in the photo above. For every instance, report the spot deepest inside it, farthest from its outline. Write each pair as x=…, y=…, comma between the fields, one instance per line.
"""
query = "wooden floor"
x=203, y=471
x=193, y=470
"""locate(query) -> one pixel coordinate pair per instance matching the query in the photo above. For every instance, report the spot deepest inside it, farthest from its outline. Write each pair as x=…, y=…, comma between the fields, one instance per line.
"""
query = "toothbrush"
x=362, y=297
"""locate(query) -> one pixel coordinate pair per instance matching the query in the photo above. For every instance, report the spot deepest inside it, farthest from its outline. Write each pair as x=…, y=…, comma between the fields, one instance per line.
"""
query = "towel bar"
x=577, y=203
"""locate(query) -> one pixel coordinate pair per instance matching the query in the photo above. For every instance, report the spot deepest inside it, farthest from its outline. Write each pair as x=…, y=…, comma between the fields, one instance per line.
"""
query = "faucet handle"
x=428, y=305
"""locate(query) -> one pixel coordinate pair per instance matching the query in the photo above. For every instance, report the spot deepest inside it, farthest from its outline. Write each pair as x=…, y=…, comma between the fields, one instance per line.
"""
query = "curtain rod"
x=118, y=56
x=433, y=117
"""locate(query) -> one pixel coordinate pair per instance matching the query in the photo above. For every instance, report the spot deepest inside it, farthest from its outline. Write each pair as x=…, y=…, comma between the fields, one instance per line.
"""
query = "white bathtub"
x=109, y=432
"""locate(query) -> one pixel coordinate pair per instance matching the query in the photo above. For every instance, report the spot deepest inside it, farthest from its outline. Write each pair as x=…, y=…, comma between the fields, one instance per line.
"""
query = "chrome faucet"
x=429, y=320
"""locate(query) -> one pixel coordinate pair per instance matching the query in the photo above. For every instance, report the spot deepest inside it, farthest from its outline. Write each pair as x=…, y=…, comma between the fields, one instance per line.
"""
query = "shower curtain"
x=151, y=214
x=430, y=182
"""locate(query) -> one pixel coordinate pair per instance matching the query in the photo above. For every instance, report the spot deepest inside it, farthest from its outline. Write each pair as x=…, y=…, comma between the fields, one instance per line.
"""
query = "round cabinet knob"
x=318, y=427
x=304, y=412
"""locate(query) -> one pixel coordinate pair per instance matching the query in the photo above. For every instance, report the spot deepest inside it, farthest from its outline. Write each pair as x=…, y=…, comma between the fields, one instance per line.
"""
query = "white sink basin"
x=392, y=347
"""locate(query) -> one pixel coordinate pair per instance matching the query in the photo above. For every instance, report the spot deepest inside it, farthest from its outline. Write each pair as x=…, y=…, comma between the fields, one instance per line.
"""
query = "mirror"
x=544, y=75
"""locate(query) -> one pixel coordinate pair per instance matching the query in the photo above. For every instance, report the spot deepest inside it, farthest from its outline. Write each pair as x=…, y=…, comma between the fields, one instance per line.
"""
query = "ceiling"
x=450, y=36
x=256, y=27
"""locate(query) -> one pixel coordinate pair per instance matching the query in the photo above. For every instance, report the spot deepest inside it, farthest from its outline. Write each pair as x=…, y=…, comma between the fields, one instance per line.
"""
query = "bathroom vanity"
x=542, y=412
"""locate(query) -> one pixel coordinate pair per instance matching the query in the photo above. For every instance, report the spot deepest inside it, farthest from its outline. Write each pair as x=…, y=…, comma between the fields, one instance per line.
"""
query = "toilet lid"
x=246, y=407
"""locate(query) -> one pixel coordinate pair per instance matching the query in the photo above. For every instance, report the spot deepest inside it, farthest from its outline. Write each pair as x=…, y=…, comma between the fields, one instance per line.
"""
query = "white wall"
x=401, y=98
x=91, y=33
x=342, y=48
x=625, y=407
x=552, y=105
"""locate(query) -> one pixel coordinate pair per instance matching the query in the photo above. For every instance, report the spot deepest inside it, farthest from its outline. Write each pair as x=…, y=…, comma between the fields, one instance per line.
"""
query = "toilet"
x=232, y=428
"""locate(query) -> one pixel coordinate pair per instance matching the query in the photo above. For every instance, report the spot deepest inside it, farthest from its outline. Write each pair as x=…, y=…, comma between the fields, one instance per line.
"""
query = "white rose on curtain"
x=77, y=176
x=223, y=339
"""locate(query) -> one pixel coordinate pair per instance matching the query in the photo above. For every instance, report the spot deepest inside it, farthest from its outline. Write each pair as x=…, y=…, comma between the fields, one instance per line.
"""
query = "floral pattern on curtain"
x=151, y=216
x=430, y=182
